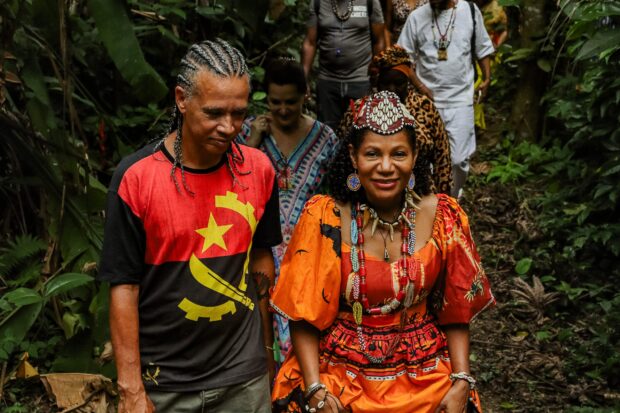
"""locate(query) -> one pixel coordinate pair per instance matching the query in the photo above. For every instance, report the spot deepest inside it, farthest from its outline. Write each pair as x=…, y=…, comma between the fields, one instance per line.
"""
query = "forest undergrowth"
x=522, y=350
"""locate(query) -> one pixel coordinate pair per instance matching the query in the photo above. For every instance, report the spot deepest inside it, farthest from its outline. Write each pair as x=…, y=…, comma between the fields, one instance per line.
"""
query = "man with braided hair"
x=188, y=220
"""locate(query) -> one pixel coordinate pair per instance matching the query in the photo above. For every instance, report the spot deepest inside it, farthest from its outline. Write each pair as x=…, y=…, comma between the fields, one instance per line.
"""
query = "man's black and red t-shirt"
x=200, y=325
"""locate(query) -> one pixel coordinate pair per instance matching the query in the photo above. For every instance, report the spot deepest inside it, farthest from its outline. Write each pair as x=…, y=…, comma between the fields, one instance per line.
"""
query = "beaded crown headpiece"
x=383, y=113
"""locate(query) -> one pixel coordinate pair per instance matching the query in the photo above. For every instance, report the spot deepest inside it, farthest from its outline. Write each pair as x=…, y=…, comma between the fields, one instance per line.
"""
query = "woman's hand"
x=332, y=404
x=260, y=125
x=455, y=400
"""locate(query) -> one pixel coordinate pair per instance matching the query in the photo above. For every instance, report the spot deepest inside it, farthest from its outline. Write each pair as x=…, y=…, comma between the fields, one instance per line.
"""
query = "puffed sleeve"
x=309, y=284
x=463, y=289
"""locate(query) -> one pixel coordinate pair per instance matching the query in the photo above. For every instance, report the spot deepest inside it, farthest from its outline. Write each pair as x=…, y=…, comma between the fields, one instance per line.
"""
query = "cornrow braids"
x=221, y=59
x=232, y=162
x=218, y=57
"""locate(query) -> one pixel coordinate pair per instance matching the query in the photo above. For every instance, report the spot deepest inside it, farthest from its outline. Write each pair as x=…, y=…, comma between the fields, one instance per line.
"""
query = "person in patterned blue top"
x=300, y=149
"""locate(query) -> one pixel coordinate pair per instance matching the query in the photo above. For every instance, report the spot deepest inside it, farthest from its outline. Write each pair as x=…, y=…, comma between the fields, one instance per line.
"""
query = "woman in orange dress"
x=379, y=282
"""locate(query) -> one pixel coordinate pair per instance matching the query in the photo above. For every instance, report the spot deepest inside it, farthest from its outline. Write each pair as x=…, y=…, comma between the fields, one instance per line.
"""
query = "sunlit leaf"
x=66, y=282
x=523, y=266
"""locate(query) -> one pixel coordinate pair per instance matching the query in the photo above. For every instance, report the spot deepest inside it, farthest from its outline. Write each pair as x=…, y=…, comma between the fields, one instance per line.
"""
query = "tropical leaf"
x=21, y=248
x=66, y=282
x=15, y=326
x=602, y=42
x=22, y=296
x=116, y=33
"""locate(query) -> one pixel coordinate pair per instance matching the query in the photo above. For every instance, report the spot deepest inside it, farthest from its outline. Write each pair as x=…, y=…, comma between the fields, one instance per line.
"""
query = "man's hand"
x=456, y=399
x=481, y=90
x=271, y=365
x=425, y=91
x=134, y=401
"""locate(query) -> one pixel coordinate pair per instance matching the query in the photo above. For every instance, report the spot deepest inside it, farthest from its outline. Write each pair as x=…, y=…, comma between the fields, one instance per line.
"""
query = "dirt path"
x=516, y=369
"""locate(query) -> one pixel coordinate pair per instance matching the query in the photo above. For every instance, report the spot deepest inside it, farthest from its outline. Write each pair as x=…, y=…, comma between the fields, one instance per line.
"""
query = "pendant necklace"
x=406, y=276
x=386, y=254
x=342, y=17
x=444, y=41
x=285, y=174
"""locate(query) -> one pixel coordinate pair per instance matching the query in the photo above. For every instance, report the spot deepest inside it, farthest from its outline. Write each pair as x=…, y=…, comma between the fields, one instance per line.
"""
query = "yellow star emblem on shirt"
x=213, y=234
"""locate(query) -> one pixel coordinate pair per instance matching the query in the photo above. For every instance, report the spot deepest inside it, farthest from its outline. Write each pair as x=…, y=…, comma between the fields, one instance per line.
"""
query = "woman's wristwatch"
x=464, y=376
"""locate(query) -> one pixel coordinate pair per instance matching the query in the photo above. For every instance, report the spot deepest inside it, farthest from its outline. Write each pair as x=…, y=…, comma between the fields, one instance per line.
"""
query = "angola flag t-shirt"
x=200, y=325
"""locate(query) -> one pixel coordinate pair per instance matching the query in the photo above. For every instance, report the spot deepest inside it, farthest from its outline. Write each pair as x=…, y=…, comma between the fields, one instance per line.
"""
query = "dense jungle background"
x=85, y=82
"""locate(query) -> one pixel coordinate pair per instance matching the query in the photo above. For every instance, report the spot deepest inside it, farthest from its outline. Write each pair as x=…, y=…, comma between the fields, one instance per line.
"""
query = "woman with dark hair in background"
x=300, y=149
x=394, y=73
x=379, y=282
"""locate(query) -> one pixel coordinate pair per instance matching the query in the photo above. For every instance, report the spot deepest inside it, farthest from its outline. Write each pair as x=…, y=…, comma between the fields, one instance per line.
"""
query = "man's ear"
x=180, y=98
x=352, y=156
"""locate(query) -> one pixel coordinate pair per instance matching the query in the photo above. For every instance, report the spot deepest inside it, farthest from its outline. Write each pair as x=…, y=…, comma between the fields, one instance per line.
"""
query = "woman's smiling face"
x=384, y=164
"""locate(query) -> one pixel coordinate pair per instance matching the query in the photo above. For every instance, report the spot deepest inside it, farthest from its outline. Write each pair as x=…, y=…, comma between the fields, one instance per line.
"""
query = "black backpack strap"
x=473, y=38
x=317, y=7
x=369, y=9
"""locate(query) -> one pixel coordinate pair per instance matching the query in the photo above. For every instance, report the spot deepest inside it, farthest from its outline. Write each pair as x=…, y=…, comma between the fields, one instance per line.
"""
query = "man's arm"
x=263, y=272
x=308, y=50
x=378, y=39
x=124, y=325
x=485, y=65
x=421, y=87
x=388, y=24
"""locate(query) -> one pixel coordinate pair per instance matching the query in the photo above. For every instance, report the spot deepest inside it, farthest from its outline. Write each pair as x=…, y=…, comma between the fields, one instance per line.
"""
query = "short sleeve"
x=407, y=38
x=309, y=284
x=312, y=17
x=124, y=244
x=463, y=286
x=377, y=13
x=268, y=233
x=484, y=45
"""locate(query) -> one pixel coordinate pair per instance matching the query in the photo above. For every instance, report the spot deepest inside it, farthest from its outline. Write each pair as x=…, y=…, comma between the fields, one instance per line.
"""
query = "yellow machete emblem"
x=210, y=279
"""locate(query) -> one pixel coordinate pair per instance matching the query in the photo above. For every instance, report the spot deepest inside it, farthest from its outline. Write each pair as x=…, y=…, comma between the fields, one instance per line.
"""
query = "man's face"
x=439, y=4
x=213, y=114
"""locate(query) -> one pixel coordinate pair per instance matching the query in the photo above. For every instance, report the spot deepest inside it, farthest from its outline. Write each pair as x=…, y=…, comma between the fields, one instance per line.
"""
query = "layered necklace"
x=445, y=38
x=342, y=17
x=404, y=297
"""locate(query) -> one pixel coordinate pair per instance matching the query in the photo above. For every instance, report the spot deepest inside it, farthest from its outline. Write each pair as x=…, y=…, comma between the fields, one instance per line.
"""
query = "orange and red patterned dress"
x=315, y=285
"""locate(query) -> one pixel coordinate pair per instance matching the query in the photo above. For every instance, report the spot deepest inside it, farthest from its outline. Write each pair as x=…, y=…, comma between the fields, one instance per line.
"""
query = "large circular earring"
x=353, y=182
x=411, y=183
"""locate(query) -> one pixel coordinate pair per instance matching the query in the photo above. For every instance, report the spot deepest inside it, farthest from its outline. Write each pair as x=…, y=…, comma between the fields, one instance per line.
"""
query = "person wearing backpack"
x=346, y=34
x=444, y=38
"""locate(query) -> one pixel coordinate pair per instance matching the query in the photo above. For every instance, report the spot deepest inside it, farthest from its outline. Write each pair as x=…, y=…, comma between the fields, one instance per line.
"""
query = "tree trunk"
x=527, y=113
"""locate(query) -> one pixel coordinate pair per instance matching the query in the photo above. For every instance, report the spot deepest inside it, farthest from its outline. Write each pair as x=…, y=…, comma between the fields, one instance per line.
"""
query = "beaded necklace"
x=404, y=296
x=342, y=17
x=444, y=41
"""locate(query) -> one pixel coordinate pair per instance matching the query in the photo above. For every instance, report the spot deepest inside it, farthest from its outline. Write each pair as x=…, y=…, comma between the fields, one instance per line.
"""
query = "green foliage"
x=572, y=175
x=83, y=84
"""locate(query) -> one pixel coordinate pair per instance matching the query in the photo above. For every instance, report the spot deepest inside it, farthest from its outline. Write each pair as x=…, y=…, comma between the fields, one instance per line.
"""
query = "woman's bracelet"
x=312, y=389
x=461, y=375
x=320, y=404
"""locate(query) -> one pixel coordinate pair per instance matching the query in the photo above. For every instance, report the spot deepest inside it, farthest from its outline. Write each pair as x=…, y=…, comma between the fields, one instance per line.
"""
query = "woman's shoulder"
x=320, y=209
x=319, y=202
x=450, y=213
